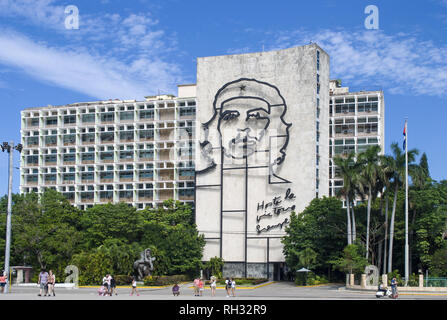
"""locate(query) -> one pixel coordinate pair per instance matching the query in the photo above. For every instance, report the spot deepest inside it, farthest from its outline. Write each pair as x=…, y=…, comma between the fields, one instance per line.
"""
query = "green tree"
x=45, y=232
x=321, y=227
x=111, y=221
x=370, y=174
x=396, y=165
x=347, y=169
x=171, y=231
x=215, y=266
x=351, y=261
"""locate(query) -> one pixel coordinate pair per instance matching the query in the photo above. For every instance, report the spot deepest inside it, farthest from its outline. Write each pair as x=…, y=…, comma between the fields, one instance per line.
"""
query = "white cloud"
x=97, y=76
x=109, y=56
x=401, y=63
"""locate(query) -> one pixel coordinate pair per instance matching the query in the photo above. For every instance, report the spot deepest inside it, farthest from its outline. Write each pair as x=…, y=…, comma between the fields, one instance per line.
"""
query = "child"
x=102, y=291
x=200, y=287
x=134, y=287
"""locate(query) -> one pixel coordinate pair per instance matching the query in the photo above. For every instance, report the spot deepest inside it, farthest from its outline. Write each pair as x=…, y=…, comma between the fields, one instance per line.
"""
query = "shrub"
x=164, y=280
x=312, y=279
x=123, y=279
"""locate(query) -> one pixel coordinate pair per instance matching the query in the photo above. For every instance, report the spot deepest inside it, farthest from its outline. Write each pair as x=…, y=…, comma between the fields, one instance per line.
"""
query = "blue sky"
x=129, y=49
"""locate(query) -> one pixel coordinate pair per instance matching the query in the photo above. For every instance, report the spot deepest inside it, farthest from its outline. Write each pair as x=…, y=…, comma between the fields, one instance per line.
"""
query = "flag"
x=405, y=136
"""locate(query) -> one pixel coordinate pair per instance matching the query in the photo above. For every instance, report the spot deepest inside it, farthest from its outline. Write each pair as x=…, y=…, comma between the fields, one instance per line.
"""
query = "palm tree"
x=370, y=174
x=347, y=166
x=396, y=166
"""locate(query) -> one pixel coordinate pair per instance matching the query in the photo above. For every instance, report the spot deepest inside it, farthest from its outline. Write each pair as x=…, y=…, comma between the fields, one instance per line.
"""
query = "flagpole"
x=406, y=207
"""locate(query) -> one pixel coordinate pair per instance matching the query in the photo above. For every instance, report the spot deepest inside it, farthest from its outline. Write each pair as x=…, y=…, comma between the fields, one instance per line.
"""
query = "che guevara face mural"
x=248, y=119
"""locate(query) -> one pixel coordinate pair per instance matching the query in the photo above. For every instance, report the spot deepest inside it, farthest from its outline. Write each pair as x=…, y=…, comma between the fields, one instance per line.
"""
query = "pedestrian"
x=200, y=287
x=134, y=287
x=51, y=283
x=106, y=283
x=176, y=290
x=196, y=287
x=3, y=281
x=43, y=282
x=228, y=286
x=233, y=286
x=394, y=287
x=113, y=286
x=213, y=285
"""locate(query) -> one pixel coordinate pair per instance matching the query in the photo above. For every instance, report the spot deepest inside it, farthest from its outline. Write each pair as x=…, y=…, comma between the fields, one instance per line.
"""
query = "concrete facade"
x=138, y=152
x=356, y=121
x=262, y=152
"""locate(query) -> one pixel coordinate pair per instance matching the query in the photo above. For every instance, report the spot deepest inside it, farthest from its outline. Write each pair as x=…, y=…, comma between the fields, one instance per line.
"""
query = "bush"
x=312, y=279
x=164, y=280
x=123, y=279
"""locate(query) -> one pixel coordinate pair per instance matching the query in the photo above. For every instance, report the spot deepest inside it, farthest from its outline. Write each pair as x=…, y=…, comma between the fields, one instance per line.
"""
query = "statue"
x=144, y=266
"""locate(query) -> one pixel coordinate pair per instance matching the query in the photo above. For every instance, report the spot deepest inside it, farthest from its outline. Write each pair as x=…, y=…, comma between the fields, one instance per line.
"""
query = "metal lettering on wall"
x=274, y=208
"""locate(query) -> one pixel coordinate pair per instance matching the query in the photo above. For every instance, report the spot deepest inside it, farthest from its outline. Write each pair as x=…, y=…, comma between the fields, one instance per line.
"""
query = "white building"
x=140, y=152
x=262, y=122
x=250, y=143
x=357, y=121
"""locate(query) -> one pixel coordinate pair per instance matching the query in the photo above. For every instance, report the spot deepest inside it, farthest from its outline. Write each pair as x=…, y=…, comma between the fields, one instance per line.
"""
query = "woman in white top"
x=134, y=287
x=233, y=286
x=213, y=286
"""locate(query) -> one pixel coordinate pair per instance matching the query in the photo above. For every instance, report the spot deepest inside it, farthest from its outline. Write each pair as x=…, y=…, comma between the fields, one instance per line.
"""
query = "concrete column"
x=351, y=279
x=19, y=278
x=385, y=280
x=27, y=275
x=363, y=281
x=347, y=279
x=421, y=281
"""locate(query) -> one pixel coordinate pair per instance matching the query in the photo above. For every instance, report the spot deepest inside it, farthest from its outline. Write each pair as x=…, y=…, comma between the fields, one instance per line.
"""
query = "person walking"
x=196, y=287
x=113, y=286
x=106, y=281
x=3, y=281
x=134, y=287
x=51, y=283
x=228, y=286
x=213, y=286
x=43, y=282
x=200, y=287
x=233, y=286
x=394, y=287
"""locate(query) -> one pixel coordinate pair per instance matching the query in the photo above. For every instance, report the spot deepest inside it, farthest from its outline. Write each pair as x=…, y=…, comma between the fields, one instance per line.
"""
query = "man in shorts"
x=43, y=281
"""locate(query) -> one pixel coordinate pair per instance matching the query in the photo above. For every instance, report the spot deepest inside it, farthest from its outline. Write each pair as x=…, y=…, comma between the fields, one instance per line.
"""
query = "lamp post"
x=9, y=148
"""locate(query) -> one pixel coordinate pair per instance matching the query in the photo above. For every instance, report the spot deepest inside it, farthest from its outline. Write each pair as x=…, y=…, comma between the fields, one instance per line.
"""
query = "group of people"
x=230, y=287
x=46, y=281
x=108, y=287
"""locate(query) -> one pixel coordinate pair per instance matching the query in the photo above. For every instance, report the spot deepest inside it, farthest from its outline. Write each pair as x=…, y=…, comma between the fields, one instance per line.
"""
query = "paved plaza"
x=270, y=291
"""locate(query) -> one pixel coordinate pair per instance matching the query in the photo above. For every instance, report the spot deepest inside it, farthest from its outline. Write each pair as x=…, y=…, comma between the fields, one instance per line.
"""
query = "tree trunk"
x=348, y=221
x=354, y=232
x=385, y=242
x=390, y=253
x=368, y=216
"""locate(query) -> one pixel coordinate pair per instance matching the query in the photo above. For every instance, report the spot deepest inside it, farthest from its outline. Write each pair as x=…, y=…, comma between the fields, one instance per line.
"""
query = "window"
x=126, y=115
x=107, y=117
x=51, y=121
x=147, y=114
x=88, y=118
x=69, y=119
